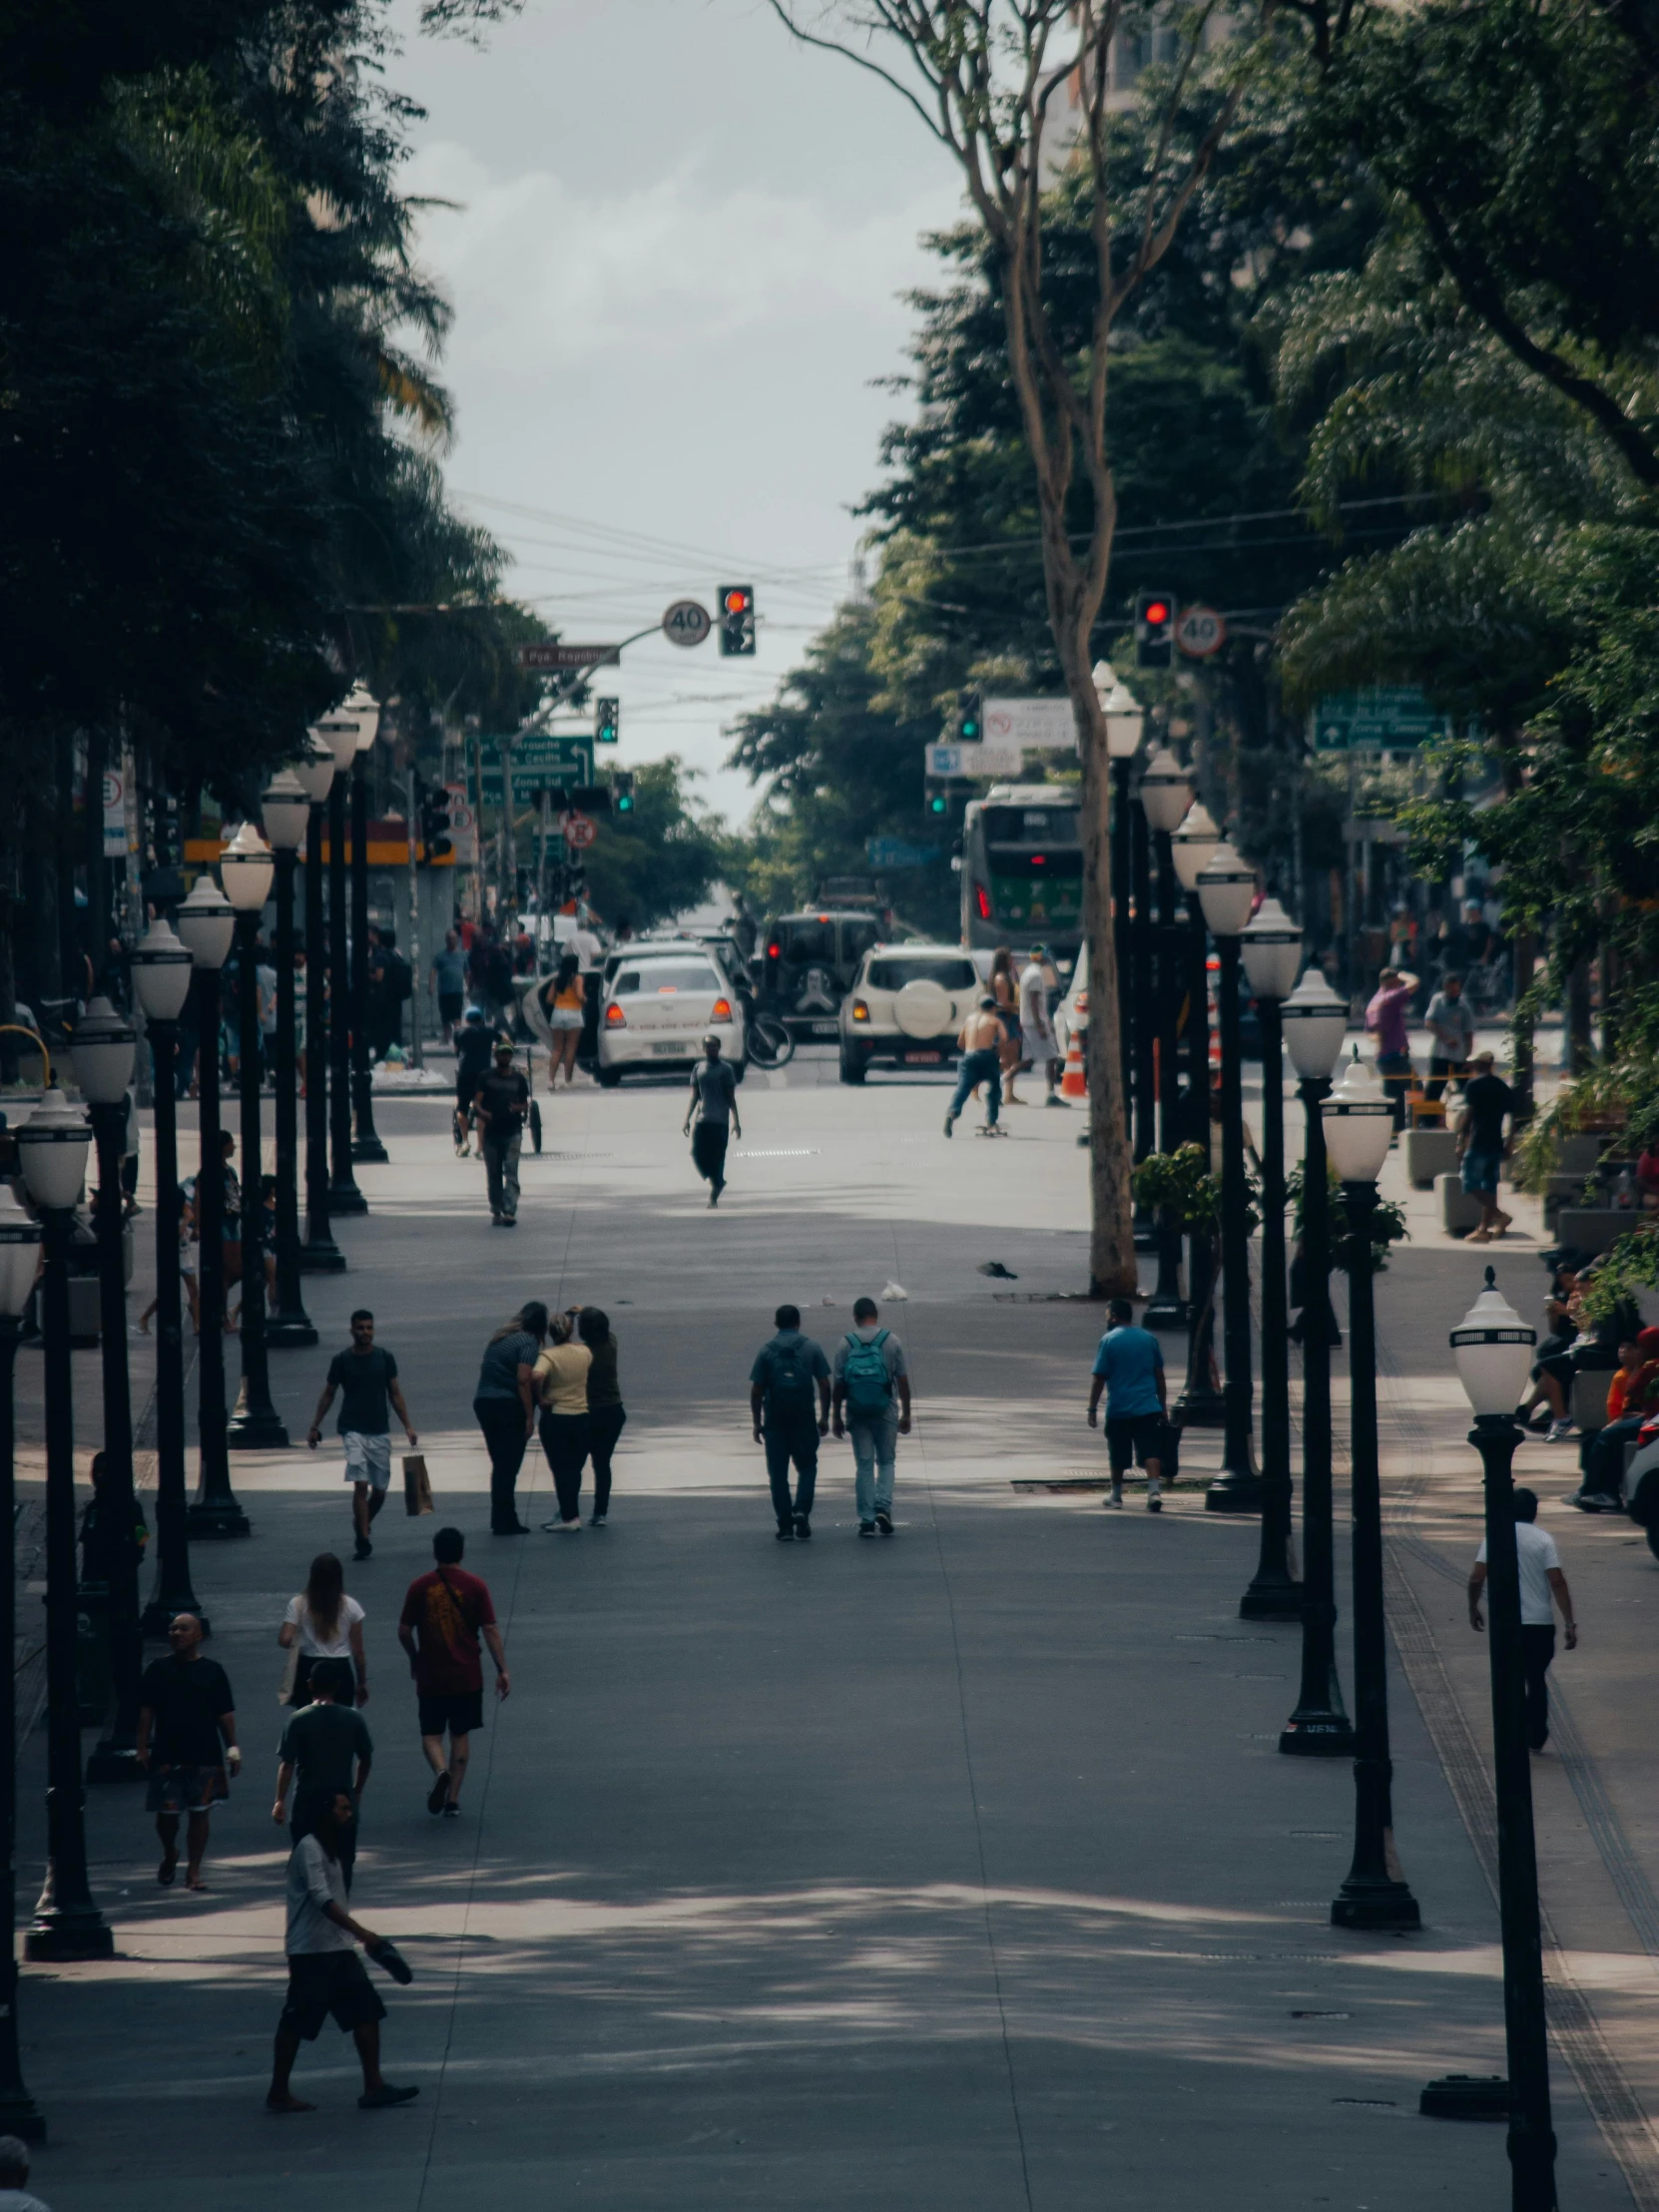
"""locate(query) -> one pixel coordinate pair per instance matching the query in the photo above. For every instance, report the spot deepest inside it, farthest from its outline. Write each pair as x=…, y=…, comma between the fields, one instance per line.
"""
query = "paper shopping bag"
x=417, y=1490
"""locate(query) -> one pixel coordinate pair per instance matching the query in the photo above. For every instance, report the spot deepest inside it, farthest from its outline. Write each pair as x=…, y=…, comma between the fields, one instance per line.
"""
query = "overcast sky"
x=676, y=264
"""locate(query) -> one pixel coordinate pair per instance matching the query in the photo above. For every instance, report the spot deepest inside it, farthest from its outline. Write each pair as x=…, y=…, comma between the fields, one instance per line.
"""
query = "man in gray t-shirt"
x=714, y=1101
x=1450, y=1021
x=872, y=1403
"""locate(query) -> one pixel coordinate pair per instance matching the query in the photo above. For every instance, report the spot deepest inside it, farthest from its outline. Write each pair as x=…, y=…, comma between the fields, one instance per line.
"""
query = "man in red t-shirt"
x=445, y=1614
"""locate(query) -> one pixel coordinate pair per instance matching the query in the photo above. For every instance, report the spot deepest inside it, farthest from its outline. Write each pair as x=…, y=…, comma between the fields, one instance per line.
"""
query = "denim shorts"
x=1480, y=1173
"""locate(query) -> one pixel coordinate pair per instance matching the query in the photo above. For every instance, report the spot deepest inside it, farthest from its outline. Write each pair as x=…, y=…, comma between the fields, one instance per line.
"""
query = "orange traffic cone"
x=1074, y=1083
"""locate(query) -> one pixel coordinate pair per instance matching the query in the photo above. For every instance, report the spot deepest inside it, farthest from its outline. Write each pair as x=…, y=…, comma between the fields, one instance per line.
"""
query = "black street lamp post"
x=20, y=1240
x=1124, y=719
x=319, y=1254
x=343, y=1193
x=1227, y=892
x=1190, y=848
x=52, y=1145
x=161, y=966
x=1166, y=793
x=206, y=924
x=1358, y=1127
x=365, y=1144
x=285, y=811
x=104, y=1049
x=1492, y=1347
x=246, y=868
x=1271, y=949
x=1313, y=1020
x=1141, y=940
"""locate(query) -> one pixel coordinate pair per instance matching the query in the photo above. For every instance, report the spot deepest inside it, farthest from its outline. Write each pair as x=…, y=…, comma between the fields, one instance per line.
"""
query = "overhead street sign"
x=974, y=760
x=688, y=622
x=1035, y=722
x=546, y=749
x=578, y=832
x=566, y=656
x=1200, y=631
x=1378, y=721
x=573, y=766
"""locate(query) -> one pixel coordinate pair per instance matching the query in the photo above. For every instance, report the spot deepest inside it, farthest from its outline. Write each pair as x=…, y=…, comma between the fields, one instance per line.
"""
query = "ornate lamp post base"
x=215, y=1517
x=256, y=1432
x=1318, y=1733
x=1272, y=1598
x=1374, y=1901
x=79, y=1932
x=291, y=1328
x=1235, y=1490
x=322, y=1256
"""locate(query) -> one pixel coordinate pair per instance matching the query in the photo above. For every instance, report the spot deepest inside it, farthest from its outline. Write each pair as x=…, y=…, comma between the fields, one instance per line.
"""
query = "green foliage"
x=1388, y=1220
x=661, y=859
x=1180, y=1185
x=1630, y=1267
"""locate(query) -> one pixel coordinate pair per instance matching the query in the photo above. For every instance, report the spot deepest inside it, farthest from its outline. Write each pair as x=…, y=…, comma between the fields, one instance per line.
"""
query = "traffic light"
x=622, y=791
x=737, y=620
x=1154, y=628
x=971, y=723
x=607, y=721
x=591, y=799
x=434, y=822
x=937, y=801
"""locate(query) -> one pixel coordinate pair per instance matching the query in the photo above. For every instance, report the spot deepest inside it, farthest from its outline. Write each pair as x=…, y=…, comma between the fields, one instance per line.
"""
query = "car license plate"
x=674, y=1051
x=923, y=1059
x=826, y=1028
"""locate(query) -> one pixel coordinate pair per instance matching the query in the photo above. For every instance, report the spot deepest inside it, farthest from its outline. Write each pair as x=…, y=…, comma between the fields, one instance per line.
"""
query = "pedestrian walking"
x=714, y=1101
x=474, y=1049
x=561, y=1380
x=326, y=1975
x=445, y=1611
x=365, y=1376
x=322, y=1623
x=606, y=1415
x=326, y=1751
x=1386, y=1018
x=871, y=1403
x=1129, y=1367
x=14, y=2177
x=499, y=1106
x=1481, y=1144
x=1451, y=1022
x=505, y=1406
x=789, y=1408
x=447, y=984
x=1038, y=1045
x=1543, y=1587
x=979, y=1040
x=187, y=1263
x=187, y=1740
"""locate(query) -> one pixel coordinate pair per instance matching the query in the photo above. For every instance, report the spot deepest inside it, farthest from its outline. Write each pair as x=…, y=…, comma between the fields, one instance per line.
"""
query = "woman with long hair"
x=562, y=1385
x=1005, y=990
x=564, y=995
x=606, y=1412
x=326, y=1624
x=505, y=1405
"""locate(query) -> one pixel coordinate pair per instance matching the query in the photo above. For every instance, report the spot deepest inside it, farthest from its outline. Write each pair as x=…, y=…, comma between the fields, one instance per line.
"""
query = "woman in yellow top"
x=565, y=997
x=561, y=1383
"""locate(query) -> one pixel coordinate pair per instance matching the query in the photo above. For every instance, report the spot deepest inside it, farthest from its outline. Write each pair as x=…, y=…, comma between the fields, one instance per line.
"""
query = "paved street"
x=956, y=1872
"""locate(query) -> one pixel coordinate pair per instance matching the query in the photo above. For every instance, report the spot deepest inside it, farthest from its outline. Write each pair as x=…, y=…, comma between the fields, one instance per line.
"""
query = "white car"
x=906, y=1003
x=660, y=1002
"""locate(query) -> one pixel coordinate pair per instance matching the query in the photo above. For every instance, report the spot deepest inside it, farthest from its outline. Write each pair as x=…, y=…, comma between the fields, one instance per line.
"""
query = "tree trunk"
x=1525, y=955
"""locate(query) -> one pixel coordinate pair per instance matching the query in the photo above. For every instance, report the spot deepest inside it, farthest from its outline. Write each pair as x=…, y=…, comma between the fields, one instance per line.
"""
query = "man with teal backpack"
x=873, y=1403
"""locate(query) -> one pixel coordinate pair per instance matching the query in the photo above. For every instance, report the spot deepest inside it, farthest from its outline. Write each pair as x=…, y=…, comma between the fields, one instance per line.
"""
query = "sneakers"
x=513, y=1528
x=1053, y=1100
x=867, y=1528
x=1154, y=1503
x=379, y=2101
x=452, y=1812
x=802, y=1529
x=362, y=1548
x=949, y=1124
x=562, y=1527
x=883, y=1521
x=1595, y=1501
x=437, y=1797
x=596, y=1521
x=785, y=1532
x=1559, y=1432
x=1114, y=1502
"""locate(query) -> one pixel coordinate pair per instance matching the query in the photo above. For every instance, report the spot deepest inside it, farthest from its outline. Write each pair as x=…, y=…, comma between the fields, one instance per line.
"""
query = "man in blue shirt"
x=1129, y=1367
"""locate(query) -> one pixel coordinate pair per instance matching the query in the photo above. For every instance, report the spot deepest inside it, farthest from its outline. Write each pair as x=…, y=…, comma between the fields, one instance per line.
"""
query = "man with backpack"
x=791, y=1373
x=873, y=1403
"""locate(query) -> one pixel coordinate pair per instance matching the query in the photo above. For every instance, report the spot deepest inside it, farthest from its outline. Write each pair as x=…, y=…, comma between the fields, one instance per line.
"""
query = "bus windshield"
x=1023, y=874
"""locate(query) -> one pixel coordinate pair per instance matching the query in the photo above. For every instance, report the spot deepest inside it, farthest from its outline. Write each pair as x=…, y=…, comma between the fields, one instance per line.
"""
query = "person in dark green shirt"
x=606, y=1412
x=326, y=1749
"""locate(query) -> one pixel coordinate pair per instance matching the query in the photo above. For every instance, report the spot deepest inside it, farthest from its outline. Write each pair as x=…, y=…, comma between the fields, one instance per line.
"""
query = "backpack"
x=790, y=1377
x=865, y=1374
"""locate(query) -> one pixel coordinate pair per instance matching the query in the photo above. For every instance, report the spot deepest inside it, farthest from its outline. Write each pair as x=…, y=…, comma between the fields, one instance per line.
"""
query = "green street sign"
x=529, y=783
x=1374, y=722
x=540, y=750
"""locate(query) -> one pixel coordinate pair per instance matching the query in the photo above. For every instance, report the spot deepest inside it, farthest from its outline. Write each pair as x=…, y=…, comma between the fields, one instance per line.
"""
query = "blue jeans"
x=874, y=1460
x=979, y=1067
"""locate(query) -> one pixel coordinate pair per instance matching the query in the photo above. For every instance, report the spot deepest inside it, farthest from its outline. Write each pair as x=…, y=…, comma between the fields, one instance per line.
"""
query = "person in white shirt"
x=14, y=2177
x=1543, y=1587
x=326, y=1624
x=1039, y=1044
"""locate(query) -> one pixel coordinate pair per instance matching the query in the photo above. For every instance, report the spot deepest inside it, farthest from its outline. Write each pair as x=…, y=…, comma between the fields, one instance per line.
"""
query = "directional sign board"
x=556, y=764
x=974, y=760
x=578, y=832
x=1374, y=722
x=544, y=749
x=1035, y=722
x=1200, y=631
x=686, y=622
x=565, y=656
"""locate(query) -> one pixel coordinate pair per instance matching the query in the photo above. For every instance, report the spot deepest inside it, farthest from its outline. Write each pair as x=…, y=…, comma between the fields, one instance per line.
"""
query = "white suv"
x=906, y=1003
x=660, y=1002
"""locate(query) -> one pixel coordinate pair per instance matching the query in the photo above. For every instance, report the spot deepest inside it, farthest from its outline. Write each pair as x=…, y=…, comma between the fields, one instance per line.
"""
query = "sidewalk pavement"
x=959, y=1870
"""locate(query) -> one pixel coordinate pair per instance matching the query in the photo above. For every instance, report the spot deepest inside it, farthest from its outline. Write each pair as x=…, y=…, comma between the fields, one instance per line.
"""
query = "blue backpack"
x=868, y=1383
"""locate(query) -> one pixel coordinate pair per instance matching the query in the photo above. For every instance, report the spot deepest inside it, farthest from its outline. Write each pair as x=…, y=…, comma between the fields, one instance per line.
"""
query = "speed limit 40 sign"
x=686, y=622
x=1200, y=631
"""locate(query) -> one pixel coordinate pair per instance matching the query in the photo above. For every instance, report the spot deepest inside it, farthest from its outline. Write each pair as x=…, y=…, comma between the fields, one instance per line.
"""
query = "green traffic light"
x=971, y=730
x=936, y=804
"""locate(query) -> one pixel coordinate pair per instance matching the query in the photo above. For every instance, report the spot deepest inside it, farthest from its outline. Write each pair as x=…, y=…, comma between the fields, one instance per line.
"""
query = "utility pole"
x=414, y=930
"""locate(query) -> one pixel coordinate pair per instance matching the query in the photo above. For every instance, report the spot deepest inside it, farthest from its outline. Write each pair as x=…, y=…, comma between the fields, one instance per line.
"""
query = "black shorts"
x=1136, y=1437
x=460, y=1712
x=450, y=1005
x=324, y=1982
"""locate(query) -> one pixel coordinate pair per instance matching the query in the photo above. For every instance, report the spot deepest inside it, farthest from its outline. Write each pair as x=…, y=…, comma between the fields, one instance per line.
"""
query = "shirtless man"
x=979, y=1040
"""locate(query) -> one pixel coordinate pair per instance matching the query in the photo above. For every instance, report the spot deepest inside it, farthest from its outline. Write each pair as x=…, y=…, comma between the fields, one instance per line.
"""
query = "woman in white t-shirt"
x=326, y=1624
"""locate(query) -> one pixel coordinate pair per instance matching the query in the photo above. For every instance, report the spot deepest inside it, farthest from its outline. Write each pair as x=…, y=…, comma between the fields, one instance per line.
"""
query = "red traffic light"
x=1156, y=613
x=737, y=601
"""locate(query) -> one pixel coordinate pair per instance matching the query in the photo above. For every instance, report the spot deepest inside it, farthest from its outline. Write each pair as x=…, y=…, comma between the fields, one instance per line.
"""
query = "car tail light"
x=614, y=1018
x=721, y=1010
x=984, y=898
x=860, y=1013
x=774, y=951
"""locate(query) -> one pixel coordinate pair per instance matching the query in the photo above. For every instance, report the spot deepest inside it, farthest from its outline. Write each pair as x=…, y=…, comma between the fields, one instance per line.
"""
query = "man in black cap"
x=501, y=1105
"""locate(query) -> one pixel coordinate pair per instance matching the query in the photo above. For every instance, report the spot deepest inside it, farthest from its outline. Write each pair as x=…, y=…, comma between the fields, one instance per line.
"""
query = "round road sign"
x=578, y=832
x=686, y=622
x=1200, y=631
